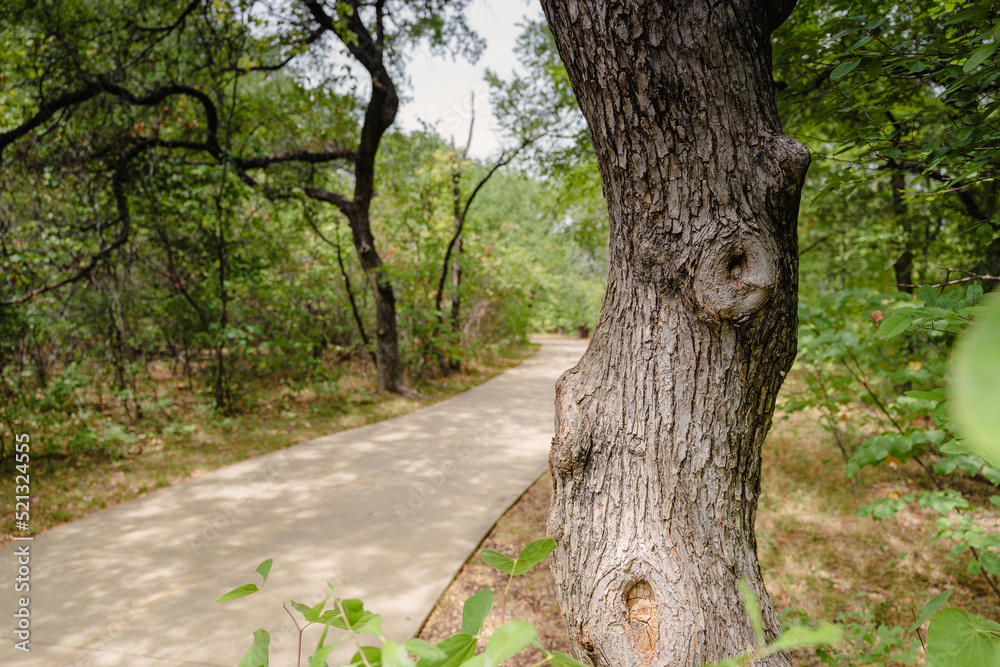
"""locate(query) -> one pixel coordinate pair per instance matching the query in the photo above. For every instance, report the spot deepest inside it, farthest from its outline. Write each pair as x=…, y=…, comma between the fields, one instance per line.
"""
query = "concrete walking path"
x=388, y=512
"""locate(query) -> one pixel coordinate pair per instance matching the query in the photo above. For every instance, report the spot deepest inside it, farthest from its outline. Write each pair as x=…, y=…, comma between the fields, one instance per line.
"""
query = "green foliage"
x=898, y=106
x=350, y=616
x=530, y=556
x=476, y=610
x=145, y=238
x=538, y=105
x=866, y=642
x=955, y=637
x=913, y=84
x=793, y=636
x=848, y=366
x=975, y=383
x=930, y=608
x=256, y=655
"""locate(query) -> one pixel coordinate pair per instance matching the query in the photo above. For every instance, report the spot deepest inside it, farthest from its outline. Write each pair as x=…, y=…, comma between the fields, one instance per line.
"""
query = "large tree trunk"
x=656, y=457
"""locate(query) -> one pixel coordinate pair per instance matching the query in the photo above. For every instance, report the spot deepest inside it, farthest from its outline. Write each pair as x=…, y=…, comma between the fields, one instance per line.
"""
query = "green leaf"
x=498, y=560
x=943, y=502
x=928, y=294
x=353, y=616
x=560, y=659
x=395, y=655
x=844, y=33
x=938, y=394
x=264, y=569
x=992, y=474
x=256, y=655
x=533, y=554
x=953, y=446
x=318, y=659
x=990, y=562
x=475, y=611
x=372, y=654
x=843, y=69
x=752, y=606
x=458, y=647
x=984, y=233
x=798, y=636
x=508, y=640
x=979, y=57
x=241, y=592
x=322, y=652
x=310, y=613
x=370, y=624
x=975, y=382
x=897, y=323
x=956, y=638
x=974, y=294
x=940, y=413
x=861, y=41
x=929, y=609
x=423, y=649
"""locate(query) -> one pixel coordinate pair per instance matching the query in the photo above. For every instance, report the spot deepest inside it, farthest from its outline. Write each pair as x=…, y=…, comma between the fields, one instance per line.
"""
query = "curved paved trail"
x=388, y=512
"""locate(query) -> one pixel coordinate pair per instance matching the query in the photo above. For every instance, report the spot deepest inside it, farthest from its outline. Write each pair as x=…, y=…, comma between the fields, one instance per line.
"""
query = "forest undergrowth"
x=820, y=559
x=185, y=437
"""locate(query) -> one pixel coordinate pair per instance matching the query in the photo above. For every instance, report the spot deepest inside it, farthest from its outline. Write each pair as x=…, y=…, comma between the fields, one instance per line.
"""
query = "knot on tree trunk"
x=640, y=606
x=787, y=161
x=736, y=278
x=572, y=440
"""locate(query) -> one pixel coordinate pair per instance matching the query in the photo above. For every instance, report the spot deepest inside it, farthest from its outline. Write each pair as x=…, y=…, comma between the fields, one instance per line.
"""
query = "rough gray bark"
x=656, y=458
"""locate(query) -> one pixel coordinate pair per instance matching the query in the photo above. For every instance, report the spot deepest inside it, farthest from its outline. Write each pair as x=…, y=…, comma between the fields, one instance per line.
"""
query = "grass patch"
x=192, y=439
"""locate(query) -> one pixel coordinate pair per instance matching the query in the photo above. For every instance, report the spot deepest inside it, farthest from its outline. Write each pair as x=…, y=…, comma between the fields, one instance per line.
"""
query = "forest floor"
x=820, y=560
x=68, y=484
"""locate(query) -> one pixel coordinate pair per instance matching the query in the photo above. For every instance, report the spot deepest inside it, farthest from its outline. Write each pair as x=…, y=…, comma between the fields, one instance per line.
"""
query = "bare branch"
x=460, y=222
x=312, y=157
x=180, y=19
x=957, y=281
x=124, y=219
x=312, y=37
x=340, y=201
x=347, y=287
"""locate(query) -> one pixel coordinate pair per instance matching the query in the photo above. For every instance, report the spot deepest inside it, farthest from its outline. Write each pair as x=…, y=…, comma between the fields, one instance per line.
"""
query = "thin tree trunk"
x=347, y=286
x=354, y=306
x=903, y=266
x=456, y=267
x=456, y=282
x=657, y=453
